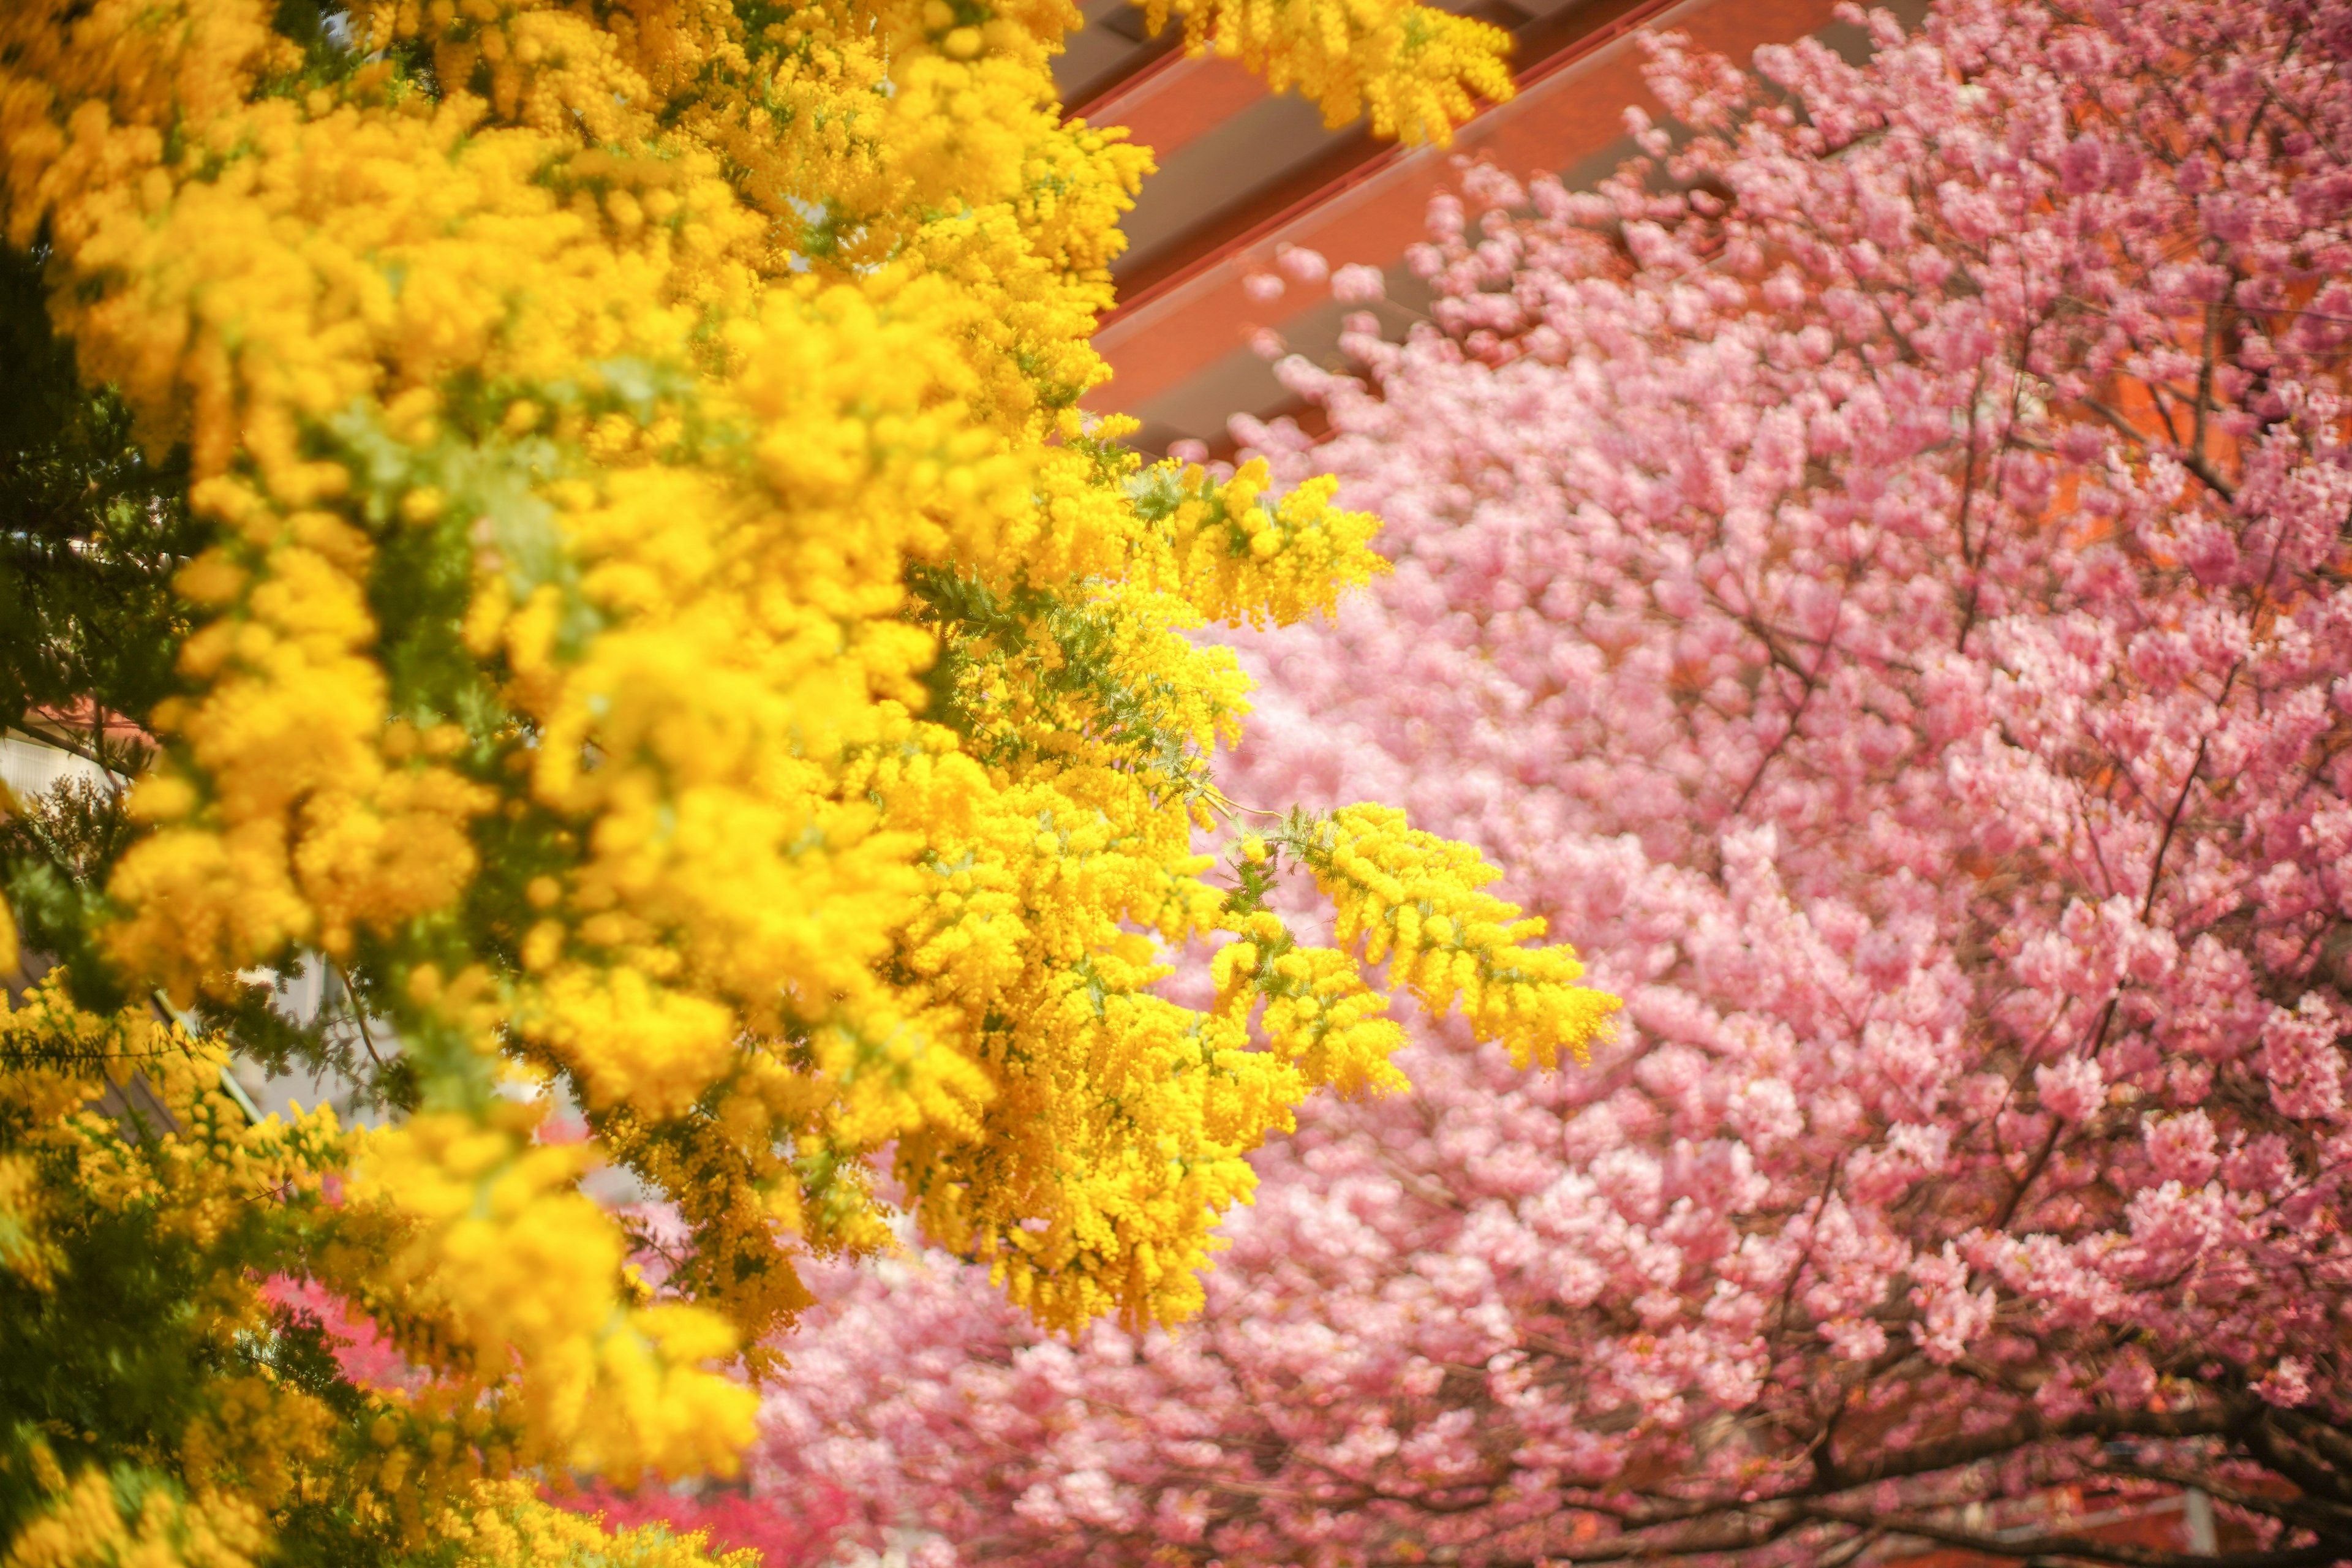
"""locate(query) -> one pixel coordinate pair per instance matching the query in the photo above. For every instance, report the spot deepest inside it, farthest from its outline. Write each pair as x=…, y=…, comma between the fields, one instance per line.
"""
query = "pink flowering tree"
x=1874, y=573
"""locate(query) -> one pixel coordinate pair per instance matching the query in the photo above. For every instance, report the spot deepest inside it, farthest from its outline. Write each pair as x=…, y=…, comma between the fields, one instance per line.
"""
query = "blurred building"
x=1243, y=172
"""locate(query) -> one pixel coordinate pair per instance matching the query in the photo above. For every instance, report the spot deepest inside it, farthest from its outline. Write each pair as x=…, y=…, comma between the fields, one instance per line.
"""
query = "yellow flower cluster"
x=1241, y=559
x=497, y=1261
x=1412, y=900
x=92, y=1522
x=97, y=1520
x=669, y=639
x=137, y=1198
x=1318, y=1011
x=1410, y=70
x=56, y=1061
x=512, y=1527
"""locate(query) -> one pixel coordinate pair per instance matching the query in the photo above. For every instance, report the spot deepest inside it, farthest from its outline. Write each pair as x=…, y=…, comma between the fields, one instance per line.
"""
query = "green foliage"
x=92, y=528
x=113, y=1348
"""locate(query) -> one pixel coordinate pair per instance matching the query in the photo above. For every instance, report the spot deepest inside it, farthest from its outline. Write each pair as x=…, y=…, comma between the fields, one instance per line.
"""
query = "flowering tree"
x=1875, y=570
x=573, y=521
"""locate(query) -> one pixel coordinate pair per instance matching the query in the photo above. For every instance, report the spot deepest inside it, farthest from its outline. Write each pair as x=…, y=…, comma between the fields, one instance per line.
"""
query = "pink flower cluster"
x=1875, y=572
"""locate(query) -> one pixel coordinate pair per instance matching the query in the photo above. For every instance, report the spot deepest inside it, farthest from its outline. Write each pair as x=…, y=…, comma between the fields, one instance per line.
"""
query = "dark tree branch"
x=1945, y=1454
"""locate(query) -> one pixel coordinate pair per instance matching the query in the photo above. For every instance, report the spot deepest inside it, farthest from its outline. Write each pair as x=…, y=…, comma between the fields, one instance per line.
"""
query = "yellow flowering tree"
x=587, y=503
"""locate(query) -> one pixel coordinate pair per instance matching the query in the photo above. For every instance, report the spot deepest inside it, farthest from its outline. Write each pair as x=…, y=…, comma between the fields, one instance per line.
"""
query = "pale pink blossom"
x=1358, y=284
x=1302, y=265
x=2073, y=1089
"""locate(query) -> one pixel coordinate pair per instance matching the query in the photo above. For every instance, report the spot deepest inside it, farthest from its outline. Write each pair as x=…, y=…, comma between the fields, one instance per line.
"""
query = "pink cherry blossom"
x=1358, y=284
x=1307, y=266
